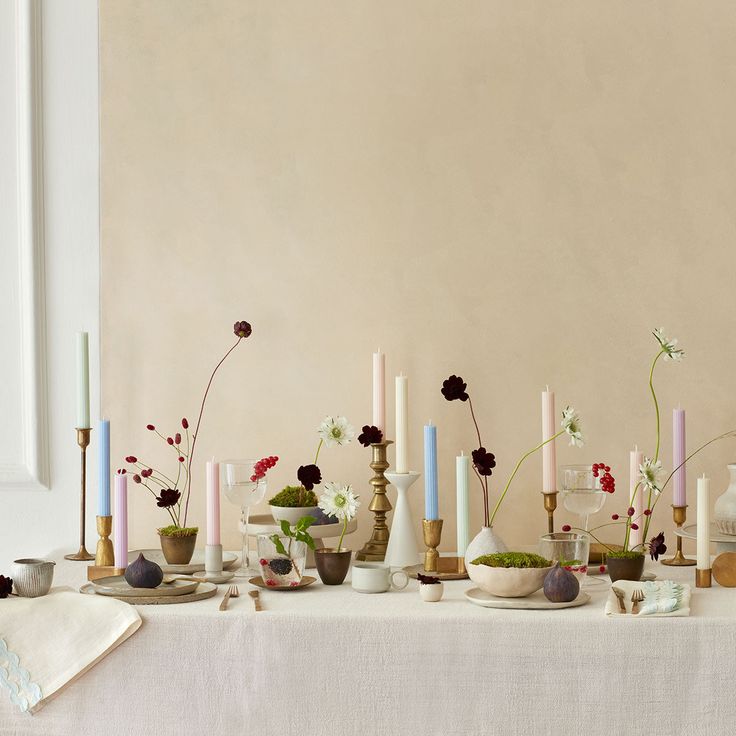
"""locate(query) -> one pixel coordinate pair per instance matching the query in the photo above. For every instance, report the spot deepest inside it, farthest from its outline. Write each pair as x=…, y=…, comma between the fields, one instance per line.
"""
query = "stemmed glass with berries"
x=584, y=489
x=244, y=484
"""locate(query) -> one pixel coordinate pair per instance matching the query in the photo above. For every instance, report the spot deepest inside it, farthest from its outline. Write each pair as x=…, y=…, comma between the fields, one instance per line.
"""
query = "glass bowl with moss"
x=509, y=574
x=292, y=503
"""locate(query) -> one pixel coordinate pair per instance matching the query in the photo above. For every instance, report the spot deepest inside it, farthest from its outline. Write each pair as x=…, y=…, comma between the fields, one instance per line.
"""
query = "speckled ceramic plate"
x=116, y=586
x=196, y=564
x=305, y=581
x=205, y=590
x=535, y=601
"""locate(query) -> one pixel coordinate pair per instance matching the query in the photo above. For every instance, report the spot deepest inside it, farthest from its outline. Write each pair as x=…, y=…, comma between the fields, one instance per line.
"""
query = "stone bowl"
x=508, y=582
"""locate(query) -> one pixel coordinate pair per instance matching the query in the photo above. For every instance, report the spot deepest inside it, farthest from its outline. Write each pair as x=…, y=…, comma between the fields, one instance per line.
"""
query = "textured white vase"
x=725, y=508
x=485, y=542
x=402, y=550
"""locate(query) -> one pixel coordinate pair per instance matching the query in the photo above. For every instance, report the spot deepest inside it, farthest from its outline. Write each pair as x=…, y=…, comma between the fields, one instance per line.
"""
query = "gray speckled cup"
x=32, y=578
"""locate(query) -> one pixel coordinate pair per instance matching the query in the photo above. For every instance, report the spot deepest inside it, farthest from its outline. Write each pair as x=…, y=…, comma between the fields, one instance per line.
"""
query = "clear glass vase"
x=285, y=568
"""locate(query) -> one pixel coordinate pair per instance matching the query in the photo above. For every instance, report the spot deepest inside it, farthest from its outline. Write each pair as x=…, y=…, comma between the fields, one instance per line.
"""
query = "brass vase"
x=178, y=550
x=625, y=568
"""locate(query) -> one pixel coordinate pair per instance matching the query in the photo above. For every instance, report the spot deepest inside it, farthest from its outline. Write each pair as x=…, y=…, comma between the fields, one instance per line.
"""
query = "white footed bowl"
x=508, y=582
x=292, y=514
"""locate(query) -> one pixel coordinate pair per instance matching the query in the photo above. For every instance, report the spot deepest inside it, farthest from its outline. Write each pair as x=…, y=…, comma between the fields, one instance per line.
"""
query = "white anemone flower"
x=649, y=475
x=336, y=431
x=339, y=501
x=669, y=347
x=571, y=425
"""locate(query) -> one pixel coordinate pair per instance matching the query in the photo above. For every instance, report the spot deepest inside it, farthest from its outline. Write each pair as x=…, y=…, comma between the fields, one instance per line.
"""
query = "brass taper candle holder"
x=432, y=531
x=703, y=578
x=550, y=504
x=374, y=550
x=83, y=437
x=679, y=515
x=104, y=555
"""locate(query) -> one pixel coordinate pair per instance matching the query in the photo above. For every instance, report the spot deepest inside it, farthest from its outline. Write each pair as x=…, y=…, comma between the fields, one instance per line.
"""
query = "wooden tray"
x=204, y=591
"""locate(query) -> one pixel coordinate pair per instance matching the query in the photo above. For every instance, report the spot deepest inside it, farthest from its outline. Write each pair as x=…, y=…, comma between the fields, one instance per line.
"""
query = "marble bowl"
x=508, y=582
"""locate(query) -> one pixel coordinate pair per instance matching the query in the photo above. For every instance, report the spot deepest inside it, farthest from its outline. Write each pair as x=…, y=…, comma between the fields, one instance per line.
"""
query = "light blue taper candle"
x=103, y=502
x=431, y=491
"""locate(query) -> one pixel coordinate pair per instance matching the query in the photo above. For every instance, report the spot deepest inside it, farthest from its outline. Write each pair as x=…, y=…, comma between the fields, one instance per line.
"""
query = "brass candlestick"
x=550, y=504
x=679, y=514
x=83, y=436
x=702, y=578
x=104, y=555
x=374, y=550
x=432, y=531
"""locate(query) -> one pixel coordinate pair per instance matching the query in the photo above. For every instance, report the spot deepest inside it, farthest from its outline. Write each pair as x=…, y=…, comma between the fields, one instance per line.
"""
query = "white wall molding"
x=31, y=472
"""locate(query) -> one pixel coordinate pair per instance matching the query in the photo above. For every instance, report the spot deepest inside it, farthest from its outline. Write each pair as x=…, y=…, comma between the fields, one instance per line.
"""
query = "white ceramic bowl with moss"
x=292, y=514
x=509, y=574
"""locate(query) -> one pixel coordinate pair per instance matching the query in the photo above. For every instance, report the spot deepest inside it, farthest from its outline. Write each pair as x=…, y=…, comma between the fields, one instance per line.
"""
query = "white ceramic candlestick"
x=402, y=549
x=213, y=571
x=702, y=572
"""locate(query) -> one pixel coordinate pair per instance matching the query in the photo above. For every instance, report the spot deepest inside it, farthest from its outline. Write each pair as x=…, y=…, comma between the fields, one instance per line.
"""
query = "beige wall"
x=514, y=191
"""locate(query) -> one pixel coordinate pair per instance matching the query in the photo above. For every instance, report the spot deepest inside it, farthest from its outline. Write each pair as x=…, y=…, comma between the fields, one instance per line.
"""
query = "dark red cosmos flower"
x=242, y=329
x=657, y=546
x=370, y=436
x=168, y=497
x=6, y=586
x=427, y=579
x=483, y=461
x=454, y=389
x=309, y=476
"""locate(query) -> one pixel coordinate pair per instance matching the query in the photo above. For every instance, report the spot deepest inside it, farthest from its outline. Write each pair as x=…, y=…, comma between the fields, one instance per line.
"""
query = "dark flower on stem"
x=427, y=579
x=309, y=476
x=185, y=423
x=131, y=459
x=370, y=436
x=168, y=497
x=657, y=546
x=484, y=461
x=454, y=388
x=6, y=586
x=136, y=478
x=242, y=329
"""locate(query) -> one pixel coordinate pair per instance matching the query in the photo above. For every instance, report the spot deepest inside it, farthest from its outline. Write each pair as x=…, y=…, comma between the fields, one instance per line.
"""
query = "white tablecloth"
x=327, y=660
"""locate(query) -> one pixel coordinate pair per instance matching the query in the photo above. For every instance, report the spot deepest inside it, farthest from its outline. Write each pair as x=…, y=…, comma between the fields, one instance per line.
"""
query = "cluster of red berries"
x=608, y=482
x=262, y=466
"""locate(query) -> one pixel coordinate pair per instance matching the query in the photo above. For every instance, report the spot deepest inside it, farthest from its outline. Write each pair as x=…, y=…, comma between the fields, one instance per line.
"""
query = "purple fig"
x=560, y=585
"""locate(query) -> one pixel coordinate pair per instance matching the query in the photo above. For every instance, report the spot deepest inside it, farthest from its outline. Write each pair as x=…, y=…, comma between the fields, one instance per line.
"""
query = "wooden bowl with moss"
x=509, y=574
x=292, y=503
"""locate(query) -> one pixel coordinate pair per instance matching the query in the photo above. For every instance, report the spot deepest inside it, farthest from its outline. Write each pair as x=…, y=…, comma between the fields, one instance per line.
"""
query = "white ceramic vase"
x=485, y=542
x=725, y=508
x=431, y=593
x=402, y=550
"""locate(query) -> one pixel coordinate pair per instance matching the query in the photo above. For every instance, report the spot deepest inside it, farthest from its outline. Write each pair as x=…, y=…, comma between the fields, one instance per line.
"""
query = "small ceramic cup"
x=32, y=578
x=431, y=593
x=375, y=577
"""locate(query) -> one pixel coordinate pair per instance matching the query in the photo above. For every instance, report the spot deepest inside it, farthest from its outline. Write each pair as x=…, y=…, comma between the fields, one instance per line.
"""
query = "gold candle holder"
x=550, y=504
x=104, y=555
x=679, y=515
x=432, y=531
x=83, y=437
x=374, y=550
x=702, y=578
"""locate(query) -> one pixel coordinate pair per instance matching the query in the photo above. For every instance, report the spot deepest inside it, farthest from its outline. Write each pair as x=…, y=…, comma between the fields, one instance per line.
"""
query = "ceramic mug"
x=32, y=578
x=375, y=577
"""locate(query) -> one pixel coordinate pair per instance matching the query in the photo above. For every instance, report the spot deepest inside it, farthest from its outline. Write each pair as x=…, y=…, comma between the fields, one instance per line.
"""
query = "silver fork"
x=636, y=598
x=232, y=592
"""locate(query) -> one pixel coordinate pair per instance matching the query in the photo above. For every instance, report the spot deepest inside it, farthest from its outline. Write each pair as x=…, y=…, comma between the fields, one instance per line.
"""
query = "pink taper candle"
x=549, y=453
x=379, y=390
x=679, y=480
x=636, y=458
x=120, y=520
x=213, y=502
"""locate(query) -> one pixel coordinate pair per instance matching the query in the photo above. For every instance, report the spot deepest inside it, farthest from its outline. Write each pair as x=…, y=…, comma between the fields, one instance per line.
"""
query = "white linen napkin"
x=47, y=642
x=661, y=598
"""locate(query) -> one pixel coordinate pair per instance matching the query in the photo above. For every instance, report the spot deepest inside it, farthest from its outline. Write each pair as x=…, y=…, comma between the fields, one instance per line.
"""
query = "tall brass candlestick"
x=550, y=504
x=83, y=437
x=374, y=550
x=679, y=515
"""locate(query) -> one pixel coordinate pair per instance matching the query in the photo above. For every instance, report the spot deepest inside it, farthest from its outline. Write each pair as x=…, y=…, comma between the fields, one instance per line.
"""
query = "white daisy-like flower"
x=671, y=351
x=336, y=431
x=339, y=501
x=571, y=425
x=649, y=475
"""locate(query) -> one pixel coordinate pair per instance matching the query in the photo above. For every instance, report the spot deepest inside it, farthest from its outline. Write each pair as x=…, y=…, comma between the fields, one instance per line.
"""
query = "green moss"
x=294, y=497
x=177, y=531
x=512, y=559
x=621, y=555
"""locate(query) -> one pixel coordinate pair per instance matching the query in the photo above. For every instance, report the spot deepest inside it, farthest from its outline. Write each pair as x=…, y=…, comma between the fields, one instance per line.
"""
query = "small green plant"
x=297, y=533
x=294, y=497
x=172, y=530
x=512, y=559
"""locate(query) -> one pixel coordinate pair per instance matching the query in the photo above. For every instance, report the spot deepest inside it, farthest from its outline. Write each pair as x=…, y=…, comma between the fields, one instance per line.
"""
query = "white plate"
x=535, y=601
x=196, y=564
x=117, y=586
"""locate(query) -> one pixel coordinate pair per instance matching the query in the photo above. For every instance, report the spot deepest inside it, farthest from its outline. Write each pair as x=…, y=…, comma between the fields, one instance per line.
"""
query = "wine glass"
x=246, y=493
x=581, y=491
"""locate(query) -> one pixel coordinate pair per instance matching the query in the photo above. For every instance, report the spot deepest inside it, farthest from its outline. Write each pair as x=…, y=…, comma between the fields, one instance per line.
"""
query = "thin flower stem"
x=516, y=470
x=656, y=403
x=319, y=447
x=484, y=488
x=594, y=536
x=344, y=529
x=472, y=414
x=196, y=429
